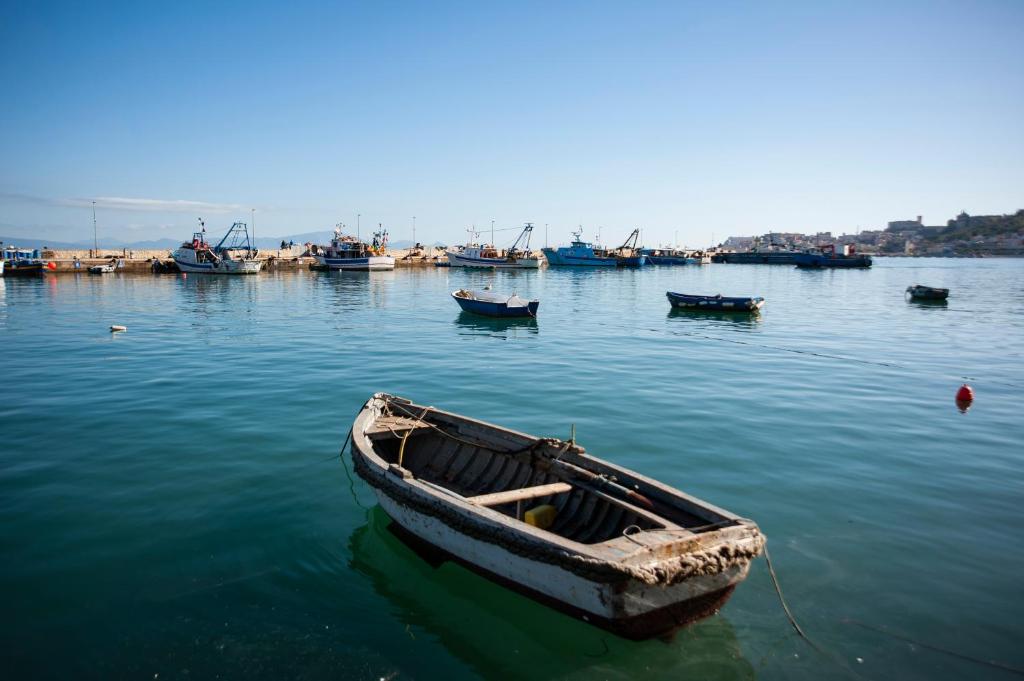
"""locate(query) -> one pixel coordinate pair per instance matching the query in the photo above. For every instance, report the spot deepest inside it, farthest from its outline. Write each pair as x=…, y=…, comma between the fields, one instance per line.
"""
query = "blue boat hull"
x=815, y=261
x=564, y=256
x=665, y=260
x=683, y=301
x=632, y=261
x=489, y=309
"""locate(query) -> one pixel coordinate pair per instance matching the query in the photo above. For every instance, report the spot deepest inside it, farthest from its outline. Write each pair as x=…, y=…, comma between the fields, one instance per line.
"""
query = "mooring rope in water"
x=785, y=607
x=952, y=653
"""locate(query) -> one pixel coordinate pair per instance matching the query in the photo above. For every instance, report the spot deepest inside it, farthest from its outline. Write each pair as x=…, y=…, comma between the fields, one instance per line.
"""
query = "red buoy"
x=52, y=266
x=964, y=394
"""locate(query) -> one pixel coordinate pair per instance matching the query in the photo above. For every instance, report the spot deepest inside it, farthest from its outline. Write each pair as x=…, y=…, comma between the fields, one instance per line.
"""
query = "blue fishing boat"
x=20, y=262
x=346, y=252
x=718, y=303
x=829, y=258
x=580, y=253
x=494, y=304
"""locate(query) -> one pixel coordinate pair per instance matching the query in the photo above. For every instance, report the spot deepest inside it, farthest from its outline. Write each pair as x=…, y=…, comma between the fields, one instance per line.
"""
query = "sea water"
x=173, y=504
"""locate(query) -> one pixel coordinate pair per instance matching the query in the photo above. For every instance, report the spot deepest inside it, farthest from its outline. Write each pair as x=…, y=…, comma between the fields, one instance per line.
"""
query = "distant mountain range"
x=266, y=243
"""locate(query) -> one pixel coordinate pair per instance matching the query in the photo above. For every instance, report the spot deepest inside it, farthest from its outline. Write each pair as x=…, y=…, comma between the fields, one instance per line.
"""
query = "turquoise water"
x=173, y=505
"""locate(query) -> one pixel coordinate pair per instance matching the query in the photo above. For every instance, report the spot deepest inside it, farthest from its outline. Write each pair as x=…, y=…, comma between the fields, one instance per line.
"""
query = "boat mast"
x=252, y=240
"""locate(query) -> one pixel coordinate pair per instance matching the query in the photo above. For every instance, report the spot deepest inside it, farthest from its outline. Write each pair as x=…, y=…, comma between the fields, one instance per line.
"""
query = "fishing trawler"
x=580, y=253
x=585, y=254
x=234, y=254
x=487, y=256
x=346, y=252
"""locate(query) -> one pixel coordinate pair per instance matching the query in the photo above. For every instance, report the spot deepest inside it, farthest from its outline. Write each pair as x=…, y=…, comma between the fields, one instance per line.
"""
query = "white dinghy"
x=541, y=516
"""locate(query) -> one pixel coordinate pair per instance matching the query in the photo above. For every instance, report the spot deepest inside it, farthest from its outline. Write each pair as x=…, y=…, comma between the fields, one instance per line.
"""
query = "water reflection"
x=925, y=303
x=715, y=317
x=512, y=327
x=350, y=289
x=499, y=632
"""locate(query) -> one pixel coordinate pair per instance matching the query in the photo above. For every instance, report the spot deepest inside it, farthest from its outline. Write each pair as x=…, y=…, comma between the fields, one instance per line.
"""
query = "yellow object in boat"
x=540, y=516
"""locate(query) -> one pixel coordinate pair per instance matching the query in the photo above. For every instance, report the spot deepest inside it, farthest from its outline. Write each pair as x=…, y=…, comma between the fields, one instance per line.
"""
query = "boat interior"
x=578, y=506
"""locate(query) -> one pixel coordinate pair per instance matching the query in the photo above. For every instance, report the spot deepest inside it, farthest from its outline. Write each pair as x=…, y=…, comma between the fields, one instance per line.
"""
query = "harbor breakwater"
x=143, y=260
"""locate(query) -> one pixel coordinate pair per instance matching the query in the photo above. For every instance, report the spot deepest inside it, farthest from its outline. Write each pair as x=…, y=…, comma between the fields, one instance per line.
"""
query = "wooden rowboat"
x=492, y=304
x=921, y=292
x=718, y=303
x=543, y=517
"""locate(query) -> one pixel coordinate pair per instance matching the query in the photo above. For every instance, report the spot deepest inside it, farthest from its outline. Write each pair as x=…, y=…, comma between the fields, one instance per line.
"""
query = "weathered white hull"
x=612, y=547
x=607, y=603
x=373, y=263
x=246, y=266
x=459, y=260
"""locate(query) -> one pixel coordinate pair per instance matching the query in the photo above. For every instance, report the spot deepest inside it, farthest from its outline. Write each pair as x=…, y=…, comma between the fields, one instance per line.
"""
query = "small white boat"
x=349, y=253
x=107, y=268
x=233, y=255
x=542, y=516
x=487, y=256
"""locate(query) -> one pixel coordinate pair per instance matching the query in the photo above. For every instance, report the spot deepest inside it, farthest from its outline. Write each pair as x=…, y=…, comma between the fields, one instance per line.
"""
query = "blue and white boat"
x=495, y=304
x=487, y=256
x=349, y=253
x=718, y=303
x=20, y=262
x=829, y=258
x=580, y=253
x=233, y=255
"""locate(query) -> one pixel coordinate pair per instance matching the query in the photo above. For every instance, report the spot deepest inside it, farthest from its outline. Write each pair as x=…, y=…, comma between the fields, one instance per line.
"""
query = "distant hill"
x=266, y=243
x=966, y=235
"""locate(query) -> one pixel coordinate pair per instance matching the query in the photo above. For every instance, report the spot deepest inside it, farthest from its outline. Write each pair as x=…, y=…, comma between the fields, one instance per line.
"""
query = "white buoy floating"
x=117, y=327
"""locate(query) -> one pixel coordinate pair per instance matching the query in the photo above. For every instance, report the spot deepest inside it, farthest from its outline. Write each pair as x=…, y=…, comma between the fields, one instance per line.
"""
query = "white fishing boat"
x=349, y=253
x=233, y=255
x=544, y=517
x=487, y=256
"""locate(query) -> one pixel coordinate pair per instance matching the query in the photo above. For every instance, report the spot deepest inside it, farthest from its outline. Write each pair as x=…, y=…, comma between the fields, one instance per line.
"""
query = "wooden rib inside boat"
x=542, y=516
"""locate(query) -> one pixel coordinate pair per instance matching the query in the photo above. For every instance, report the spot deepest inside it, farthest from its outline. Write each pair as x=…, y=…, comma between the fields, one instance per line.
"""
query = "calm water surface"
x=172, y=503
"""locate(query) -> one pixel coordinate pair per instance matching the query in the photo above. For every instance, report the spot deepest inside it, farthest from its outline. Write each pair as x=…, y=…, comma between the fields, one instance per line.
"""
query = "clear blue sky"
x=706, y=117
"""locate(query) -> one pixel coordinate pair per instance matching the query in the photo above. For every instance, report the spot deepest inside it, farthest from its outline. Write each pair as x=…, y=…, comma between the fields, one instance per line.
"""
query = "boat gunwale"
x=673, y=556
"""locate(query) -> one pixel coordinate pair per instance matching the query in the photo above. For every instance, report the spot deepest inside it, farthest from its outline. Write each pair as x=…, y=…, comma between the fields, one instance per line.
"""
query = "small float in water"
x=543, y=517
x=492, y=304
x=920, y=292
x=718, y=303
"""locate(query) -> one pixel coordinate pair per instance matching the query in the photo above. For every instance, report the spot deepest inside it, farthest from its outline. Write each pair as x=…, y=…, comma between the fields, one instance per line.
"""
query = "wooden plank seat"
x=395, y=426
x=508, y=496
